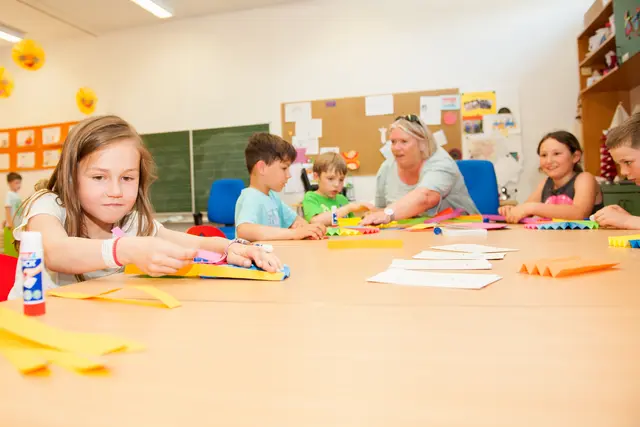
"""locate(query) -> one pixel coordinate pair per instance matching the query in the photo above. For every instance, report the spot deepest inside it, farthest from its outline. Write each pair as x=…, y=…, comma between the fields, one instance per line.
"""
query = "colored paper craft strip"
x=421, y=227
x=562, y=267
x=439, y=218
x=345, y=222
x=364, y=244
x=573, y=225
x=165, y=300
x=210, y=271
x=635, y=243
x=365, y=230
x=623, y=241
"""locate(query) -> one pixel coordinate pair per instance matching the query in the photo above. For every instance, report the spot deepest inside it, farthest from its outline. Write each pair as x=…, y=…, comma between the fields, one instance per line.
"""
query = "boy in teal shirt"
x=260, y=214
x=330, y=170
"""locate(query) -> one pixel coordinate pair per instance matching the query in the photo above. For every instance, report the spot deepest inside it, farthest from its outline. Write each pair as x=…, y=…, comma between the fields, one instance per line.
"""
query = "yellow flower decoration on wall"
x=86, y=100
x=6, y=83
x=28, y=55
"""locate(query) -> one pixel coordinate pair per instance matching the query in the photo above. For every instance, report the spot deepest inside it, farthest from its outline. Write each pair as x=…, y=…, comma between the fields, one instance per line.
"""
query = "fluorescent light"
x=157, y=7
x=10, y=34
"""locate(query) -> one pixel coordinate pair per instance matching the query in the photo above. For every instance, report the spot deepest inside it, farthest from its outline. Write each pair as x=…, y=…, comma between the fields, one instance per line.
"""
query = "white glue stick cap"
x=30, y=241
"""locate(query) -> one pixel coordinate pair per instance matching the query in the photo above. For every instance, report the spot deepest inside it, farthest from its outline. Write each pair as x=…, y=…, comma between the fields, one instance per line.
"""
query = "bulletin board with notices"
x=358, y=127
x=32, y=148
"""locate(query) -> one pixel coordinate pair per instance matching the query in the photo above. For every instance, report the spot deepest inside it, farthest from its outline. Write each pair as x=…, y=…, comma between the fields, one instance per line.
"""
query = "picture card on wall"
x=379, y=105
x=26, y=160
x=26, y=138
x=330, y=150
x=309, y=129
x=505, y=124
x=297, y=112
x=478, y=103
x=50, y=158
x=4, y=139
x=440, y=138
x=51, y=135
x=4, y=162
x=431, y=110
x=311, y=145
x=449, y=102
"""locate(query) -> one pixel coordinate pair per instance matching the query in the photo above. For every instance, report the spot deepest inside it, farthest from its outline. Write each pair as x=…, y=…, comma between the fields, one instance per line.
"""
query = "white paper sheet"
x=383, y=135
x=309, y=129
x=423, y=264
x=51, y=135
x=441, y=138
x=311, y=144
x=26, y=138
x=472, y=248
x=380, y=105
x=396, y=276
x=431, y=110
x=50, y=158
x=299, y=111
x=4, y=162
x=294, y=185
x=4, y=139
x=457, y=255
x=386, y=150
x=26, y=160
x=329, y=150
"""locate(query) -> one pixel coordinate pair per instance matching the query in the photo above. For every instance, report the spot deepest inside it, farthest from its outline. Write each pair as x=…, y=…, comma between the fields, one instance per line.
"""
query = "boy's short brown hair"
x=14, y=176
x=628, y=133
x=328, y=162
x=268, y=148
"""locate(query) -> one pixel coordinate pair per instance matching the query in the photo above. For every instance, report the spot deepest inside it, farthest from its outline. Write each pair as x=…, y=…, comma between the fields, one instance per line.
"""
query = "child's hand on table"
x=310, y=231
x=153, y=255
x=504, y=210
x=612, y=216
x=244, y=255
x=516, y=213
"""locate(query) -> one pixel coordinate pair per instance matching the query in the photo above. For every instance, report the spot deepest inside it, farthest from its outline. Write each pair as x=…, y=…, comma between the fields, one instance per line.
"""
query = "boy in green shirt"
x=330, y=170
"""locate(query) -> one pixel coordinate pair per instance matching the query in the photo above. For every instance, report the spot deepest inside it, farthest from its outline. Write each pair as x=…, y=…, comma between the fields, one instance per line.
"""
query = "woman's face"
x=405, y=148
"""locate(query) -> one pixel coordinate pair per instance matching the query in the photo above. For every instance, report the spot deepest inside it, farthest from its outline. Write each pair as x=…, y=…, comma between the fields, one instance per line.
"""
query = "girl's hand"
x=504, y=210
x=516, y=213
x=153, y=255
x=612, y=216
x=244, y=255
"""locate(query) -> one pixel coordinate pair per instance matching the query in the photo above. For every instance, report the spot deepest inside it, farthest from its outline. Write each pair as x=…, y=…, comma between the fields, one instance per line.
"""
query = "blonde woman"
x=421, y=178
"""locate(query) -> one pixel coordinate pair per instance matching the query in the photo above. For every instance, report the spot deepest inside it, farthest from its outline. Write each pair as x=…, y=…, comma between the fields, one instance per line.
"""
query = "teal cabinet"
x=626, y=196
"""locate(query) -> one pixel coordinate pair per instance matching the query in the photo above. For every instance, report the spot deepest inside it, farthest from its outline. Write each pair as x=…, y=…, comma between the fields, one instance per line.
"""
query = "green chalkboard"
x=172, y=190
x=219, y=153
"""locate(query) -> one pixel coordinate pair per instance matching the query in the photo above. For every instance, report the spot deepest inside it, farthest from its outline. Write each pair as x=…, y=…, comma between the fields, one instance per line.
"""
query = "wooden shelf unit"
x=600, y=100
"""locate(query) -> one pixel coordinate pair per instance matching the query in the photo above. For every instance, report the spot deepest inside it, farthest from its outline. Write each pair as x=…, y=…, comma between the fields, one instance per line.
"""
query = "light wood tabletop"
x=327, y=348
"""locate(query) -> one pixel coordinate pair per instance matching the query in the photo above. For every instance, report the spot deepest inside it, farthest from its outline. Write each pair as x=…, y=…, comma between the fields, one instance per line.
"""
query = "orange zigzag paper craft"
x=562, y=267
x=165, y=300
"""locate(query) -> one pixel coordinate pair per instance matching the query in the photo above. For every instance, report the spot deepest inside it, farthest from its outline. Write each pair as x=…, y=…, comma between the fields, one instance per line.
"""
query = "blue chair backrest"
x=482, y=183
x=223, y=196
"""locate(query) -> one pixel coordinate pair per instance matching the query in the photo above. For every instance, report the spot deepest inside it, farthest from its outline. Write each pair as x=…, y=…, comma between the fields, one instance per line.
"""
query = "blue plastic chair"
x=482, y=183
x=221, y=208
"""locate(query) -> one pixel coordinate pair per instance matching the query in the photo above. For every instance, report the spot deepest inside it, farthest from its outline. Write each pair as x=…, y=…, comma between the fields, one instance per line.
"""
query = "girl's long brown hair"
x=87, y=137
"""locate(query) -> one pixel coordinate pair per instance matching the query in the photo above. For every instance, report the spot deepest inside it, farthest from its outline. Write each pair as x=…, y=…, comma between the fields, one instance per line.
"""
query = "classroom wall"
x=237, y=68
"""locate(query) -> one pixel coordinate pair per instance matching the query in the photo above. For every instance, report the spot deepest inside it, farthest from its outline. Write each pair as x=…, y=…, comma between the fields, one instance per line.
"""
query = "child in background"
x=623, y=143
x=260, y=214
x=568, y=192
x=330, y=170
x=102, y=181
x=11, y=204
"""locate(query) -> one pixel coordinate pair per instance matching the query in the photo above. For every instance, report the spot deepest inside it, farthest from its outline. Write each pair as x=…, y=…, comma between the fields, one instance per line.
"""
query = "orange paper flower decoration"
x=351, y=157
x=6, y=83
x=28, y=54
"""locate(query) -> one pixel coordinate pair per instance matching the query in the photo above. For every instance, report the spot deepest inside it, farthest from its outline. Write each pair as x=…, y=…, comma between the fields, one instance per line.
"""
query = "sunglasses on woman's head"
x=410, y=118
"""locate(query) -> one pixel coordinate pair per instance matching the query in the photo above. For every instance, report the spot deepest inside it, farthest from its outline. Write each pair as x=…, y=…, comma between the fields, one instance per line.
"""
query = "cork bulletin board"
x=346, y=125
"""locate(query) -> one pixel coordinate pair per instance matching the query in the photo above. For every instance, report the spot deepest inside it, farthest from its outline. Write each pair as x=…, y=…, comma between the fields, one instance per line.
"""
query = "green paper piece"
x=333, y=231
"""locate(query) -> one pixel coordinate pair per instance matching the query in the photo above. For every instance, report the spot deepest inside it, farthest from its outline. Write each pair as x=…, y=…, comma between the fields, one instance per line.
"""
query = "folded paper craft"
x=164, y=299
x=221, y=271
x=364, y=244
x=445, y=215
x=337, y=231
x=562, y=267
x=565, y=225
x=421, y=227
x=345, y=222
x=635, y=243
x=623, y=241
x=30, y=345
x=364, y=230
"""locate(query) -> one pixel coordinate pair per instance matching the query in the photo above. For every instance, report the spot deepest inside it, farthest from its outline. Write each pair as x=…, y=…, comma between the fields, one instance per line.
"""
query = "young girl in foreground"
x=102, y=181
x=568, y=192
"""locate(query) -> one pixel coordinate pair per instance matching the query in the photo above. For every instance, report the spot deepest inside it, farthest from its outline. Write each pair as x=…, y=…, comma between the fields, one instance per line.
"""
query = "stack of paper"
x=472, y=248
x=419, y=264
x=397, y=276
x=458, y=255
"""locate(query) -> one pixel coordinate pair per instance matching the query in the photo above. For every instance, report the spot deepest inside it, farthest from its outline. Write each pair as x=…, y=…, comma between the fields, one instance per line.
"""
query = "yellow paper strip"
x=222, y=271
x=349, y=222
x=190, y=270
x=349, y=232
x=622, y=241
x=166, y=300
x=420, y=227
x=364, y=244
x=83, y=343
x=24, y=360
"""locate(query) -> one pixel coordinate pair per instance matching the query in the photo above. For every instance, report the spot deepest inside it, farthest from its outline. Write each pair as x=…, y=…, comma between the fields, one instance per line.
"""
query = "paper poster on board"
x=4, y=162
x=4, y=139
x=26, y=160
x=478, y=103
x=51, y=135
x=26, y=138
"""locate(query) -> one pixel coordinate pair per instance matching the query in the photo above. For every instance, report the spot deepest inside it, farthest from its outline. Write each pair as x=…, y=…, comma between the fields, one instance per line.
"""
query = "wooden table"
x=326, y=348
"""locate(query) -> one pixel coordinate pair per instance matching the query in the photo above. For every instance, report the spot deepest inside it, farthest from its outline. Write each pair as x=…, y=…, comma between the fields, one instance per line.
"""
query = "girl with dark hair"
x=568, y=192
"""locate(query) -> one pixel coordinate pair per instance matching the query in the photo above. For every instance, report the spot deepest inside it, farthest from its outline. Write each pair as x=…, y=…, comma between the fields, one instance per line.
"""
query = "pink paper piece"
x=528, y=220
x=117, y=231
x=301, y=155
x=456, y=213
x=208, y=257
x=450, y=118
x=481, y=225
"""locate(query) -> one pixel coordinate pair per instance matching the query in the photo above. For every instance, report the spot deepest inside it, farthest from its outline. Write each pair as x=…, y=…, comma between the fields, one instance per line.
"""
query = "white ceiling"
x=55, y=19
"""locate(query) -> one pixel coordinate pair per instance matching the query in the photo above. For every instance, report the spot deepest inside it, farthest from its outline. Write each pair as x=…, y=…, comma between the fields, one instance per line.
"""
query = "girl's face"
x=405, y=148
x=556, y=159
x=108, y=181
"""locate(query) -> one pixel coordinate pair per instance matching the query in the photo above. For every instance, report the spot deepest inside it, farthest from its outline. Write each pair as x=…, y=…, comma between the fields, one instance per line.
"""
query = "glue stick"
x=33, y=273
x=334, y=215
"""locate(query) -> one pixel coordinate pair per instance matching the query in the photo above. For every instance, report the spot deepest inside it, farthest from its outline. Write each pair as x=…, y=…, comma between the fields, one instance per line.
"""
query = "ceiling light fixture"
x=10, y=34
x=158, y=7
